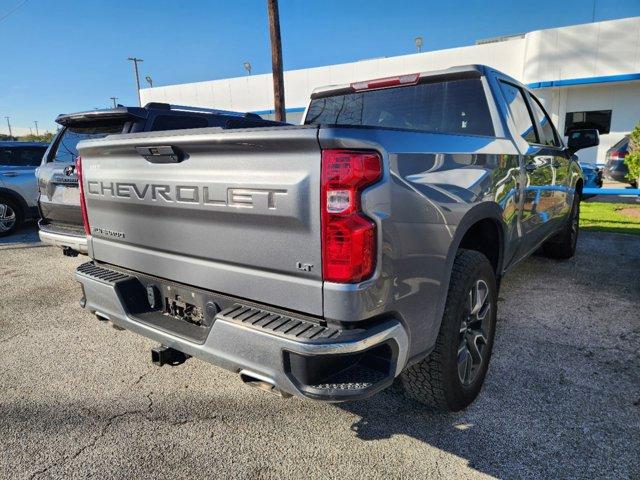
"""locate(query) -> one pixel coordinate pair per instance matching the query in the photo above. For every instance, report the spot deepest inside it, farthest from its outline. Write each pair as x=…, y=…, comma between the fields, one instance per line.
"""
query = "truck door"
x=558, y=159
x=537, y=174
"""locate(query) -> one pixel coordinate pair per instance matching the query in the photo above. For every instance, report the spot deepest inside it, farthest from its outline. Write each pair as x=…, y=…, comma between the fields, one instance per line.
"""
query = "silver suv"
x=18, y=184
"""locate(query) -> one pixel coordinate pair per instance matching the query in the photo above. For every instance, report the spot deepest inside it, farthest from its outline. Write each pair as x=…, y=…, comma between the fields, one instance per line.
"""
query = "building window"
x=600, y=119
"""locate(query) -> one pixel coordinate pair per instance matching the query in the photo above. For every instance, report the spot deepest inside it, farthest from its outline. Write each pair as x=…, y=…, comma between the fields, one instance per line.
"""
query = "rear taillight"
x=618, y=154
x=83, y=203
x=348, y=236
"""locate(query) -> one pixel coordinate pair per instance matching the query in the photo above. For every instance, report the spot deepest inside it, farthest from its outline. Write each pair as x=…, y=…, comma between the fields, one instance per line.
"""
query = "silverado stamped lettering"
x=209, y=195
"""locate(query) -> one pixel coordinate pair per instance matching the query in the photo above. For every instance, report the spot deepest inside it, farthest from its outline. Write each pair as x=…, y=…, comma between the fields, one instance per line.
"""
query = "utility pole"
x=114, y=101
x=37, y=132
x=276, y=60
x=135, y=68
x=9, y=125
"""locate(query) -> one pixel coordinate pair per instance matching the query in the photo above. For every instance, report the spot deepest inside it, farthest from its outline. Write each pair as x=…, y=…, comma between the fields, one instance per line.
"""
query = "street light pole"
x=276, y=60
x=9, y=125
x=135, y=61
x=37, y=132
x=419, y=42
x=114, y=101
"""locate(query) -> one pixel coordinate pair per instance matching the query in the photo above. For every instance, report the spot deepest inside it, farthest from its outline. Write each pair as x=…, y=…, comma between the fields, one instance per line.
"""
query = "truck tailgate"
x=238, y=214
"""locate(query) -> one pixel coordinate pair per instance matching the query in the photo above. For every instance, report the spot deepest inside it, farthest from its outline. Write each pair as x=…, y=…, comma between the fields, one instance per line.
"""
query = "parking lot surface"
x=80, y=399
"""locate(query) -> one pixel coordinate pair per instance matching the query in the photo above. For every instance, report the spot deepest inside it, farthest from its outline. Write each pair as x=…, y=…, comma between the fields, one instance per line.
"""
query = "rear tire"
x=451, y=377
x=563, y=245
x=11, y=216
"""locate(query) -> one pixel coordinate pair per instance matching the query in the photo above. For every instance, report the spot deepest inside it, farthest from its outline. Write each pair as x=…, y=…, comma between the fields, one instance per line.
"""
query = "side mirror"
x=579, y=139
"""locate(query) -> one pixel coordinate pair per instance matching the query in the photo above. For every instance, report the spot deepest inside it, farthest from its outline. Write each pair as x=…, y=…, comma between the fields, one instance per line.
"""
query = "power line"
x=10, y=12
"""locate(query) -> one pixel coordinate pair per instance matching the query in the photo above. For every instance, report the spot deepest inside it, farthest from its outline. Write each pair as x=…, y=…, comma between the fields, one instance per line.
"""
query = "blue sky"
x=69, y=55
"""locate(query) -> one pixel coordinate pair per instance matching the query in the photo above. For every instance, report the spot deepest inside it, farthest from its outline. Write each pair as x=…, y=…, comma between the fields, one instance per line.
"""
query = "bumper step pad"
x=294, y=328
x=102, y=274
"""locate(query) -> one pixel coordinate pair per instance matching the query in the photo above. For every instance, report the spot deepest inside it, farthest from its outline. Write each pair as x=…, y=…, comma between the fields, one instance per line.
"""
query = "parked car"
x=592, y=176
x=615, y=168
x=326, y=259
x=61, y=217
x=18, y=184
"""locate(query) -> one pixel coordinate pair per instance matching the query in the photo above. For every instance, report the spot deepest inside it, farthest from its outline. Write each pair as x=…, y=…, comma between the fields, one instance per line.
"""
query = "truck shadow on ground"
x=561, y=398
x=532, y=420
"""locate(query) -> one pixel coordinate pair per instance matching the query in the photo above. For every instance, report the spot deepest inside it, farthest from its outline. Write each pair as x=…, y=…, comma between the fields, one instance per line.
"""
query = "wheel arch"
x=485, y=214
x=16, y=197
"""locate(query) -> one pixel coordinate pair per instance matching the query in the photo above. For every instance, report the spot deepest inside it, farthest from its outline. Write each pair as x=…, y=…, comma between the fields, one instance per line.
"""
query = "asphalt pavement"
x=80, y=399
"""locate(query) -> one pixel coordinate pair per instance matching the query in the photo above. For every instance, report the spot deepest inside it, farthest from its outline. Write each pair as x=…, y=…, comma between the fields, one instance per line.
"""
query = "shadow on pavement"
x=26, y=234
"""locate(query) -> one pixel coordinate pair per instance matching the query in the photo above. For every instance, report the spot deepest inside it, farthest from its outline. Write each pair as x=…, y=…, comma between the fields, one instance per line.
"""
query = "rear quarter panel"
x=434, y=187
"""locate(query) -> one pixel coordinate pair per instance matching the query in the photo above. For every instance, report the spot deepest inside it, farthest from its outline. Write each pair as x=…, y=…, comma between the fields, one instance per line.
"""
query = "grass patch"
x=610, y=217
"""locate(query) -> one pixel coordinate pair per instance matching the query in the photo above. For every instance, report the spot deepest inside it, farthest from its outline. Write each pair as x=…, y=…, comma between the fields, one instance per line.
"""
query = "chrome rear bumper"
x=77, y=243
x=295, y=355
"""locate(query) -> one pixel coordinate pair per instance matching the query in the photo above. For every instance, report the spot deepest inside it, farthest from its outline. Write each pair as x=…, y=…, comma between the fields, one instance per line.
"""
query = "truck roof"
x=473, y=69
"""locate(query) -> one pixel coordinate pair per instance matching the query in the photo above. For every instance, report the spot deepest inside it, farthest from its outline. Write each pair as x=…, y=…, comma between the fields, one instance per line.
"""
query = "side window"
x=519, y=112
x=544, y=122
x=22, y=157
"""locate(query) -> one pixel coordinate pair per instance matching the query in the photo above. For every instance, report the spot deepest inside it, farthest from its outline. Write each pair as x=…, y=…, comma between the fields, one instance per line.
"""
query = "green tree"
x=633, y=159
x=45, y=137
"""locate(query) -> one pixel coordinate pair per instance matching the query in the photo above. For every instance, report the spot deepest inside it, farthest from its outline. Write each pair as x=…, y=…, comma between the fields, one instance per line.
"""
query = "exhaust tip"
x=261, y=382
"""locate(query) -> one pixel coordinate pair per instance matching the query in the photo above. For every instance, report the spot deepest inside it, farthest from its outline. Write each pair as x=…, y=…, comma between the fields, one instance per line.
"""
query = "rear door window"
x=456, y=106
x=21, y=156
x=544, y=122
x=66, y=150
x=519, y=112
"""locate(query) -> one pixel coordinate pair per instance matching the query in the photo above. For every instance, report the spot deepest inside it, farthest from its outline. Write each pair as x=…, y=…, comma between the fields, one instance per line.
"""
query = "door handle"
x=10, y=174
x=530, y=167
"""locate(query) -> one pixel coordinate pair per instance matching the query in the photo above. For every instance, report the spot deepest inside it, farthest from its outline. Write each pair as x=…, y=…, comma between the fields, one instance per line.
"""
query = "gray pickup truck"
x=325, y=260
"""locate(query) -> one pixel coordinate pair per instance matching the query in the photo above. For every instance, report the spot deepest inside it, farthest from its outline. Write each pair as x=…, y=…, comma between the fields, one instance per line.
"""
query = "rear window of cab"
x=457, y=106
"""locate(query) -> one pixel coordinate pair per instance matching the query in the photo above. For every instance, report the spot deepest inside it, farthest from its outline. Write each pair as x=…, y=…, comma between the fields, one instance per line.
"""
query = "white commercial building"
x=587, y=74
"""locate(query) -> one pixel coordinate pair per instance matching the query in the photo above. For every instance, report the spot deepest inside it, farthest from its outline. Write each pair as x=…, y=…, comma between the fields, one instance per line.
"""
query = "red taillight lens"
x=410, y=79
x=83, y=203
x=348, y=237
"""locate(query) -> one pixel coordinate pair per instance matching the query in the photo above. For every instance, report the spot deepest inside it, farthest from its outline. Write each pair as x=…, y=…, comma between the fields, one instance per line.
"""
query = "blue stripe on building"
x=586, y=81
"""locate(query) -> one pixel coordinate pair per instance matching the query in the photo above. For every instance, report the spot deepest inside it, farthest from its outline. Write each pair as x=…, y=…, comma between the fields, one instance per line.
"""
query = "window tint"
x=178, y=122
x=600, y=119
x=66, y=148
x=453, y=106
x=519, y=112
x=546, y=127
x=21, y=156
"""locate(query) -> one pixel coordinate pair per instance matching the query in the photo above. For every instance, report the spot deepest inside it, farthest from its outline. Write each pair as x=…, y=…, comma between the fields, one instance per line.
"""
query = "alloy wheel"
x=474, y=332
x=7, y=218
